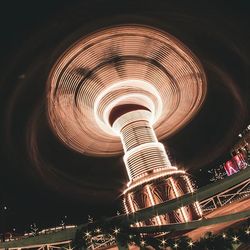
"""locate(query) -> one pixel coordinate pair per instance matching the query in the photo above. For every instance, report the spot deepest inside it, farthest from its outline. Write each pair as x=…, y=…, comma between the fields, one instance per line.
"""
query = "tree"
x=214, y=242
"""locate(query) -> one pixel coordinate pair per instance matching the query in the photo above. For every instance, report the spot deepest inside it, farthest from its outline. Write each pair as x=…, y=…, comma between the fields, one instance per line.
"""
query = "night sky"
x=43, y=180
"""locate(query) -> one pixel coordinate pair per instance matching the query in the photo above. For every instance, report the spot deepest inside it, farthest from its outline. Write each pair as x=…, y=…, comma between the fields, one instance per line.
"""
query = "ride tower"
x=152, y=178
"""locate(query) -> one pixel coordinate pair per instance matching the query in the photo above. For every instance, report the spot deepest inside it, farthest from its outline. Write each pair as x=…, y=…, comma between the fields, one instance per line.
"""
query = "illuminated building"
x=240, y=158
x=243, y=145
x=121, y=89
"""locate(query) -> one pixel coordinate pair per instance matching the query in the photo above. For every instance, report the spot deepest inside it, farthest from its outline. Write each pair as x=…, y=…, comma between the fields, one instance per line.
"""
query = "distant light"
x=98, y=230
x=190, y=243
x=224, y=235
x=87, y=234
x=22, y=76
x=235, y=238
x=116, y=230
x=143, y=243
x=248, y=127
x=247, y=231
x=175, y=245
x=240, y=135
x=5, y=208
x=163, y=242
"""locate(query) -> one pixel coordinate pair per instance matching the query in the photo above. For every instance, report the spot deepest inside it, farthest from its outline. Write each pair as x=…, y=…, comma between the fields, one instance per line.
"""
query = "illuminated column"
x=144, y=155
x=152, y=178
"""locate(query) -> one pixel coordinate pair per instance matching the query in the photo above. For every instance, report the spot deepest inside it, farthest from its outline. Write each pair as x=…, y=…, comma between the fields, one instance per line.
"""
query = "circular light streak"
x=128, y=64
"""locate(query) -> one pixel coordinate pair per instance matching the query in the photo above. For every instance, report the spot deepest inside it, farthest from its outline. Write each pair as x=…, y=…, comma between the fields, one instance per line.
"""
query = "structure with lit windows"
x=120, y=89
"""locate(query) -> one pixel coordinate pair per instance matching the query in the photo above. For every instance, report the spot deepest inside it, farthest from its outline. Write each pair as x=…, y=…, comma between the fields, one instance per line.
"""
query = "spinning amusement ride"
x=121, y=89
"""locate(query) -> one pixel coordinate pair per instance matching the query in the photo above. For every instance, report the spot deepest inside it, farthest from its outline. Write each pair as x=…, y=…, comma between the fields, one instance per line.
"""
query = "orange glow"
x=125, y=207
x=131, y=203
x=178, y=194
x=118, y=65
x=151, y=198
x=164, y=173
x=198, y=208
x=191, y=190
x=143, y=152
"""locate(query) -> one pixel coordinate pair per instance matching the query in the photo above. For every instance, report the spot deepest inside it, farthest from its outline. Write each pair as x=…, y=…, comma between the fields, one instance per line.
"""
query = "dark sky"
x=41, y=179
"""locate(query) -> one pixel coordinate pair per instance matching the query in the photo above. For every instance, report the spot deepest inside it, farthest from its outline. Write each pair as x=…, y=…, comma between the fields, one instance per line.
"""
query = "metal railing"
x=240, y=191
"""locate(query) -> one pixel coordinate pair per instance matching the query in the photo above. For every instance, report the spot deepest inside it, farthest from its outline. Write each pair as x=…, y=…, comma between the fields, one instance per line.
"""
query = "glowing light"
x=175, y=245
x=143, y=243
x=98, y=230
x=164, y=173
x=131, y=203
x=198, y=208
x=235, y=238
x=111, y=67
x=151, y=198
x=116, y=230
x=126, y=207
x=150, y=195
x=148, y=96
x=163, y=242
x=177, y=194
x=129, y=117
x=189, y=184
x=224, y=235
x=87, y=234
x=190, y=244
x=247, y=231
x=191, y=190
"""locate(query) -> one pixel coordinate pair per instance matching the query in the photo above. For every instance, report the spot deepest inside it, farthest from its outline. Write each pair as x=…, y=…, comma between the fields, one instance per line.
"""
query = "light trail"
x=125, y=64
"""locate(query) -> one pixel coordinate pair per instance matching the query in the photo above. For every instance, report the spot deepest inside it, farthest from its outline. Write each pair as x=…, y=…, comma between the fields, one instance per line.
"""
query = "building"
x=240, y=158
